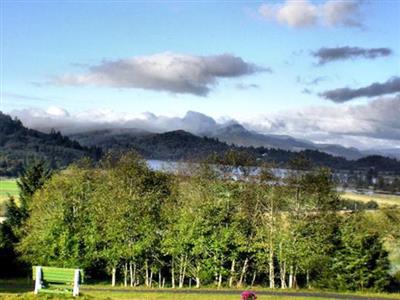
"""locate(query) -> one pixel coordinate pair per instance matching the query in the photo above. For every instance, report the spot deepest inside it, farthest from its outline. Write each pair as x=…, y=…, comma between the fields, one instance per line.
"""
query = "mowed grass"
x=14, y=289
x=146, y=296
x=382, y=200
x=8, y=187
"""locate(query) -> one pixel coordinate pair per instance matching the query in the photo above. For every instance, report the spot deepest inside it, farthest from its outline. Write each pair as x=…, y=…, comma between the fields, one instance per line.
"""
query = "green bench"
x=57, y=280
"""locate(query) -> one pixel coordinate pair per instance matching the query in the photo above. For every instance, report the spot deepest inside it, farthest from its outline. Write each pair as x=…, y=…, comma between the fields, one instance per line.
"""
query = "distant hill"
x=182, y=145
x=173, y=145
x=20, y=145
x=238, y=135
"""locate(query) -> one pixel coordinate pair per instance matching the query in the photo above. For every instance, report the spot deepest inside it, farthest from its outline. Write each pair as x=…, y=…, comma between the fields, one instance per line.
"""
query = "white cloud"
x=375, y=124
x=303, y=13
x=171, y=72
x=365, y=126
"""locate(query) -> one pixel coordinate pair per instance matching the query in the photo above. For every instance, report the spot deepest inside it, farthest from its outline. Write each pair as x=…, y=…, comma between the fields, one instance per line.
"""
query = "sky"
x=327, y=71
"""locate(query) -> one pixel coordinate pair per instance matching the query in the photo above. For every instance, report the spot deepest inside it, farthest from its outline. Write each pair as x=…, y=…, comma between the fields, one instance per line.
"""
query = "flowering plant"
x=248, y=295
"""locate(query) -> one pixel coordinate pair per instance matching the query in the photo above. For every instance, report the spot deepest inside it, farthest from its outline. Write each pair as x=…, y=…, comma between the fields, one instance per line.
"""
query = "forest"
x=20, y=146
x=121, y=221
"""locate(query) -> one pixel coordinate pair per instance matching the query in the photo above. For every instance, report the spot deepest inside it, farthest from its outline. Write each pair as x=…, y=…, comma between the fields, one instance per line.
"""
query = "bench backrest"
x=57, y=275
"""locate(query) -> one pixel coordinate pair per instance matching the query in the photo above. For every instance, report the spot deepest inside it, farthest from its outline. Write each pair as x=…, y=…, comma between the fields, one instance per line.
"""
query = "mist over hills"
x=182, y=145
x=228, y=130
x=19, y=145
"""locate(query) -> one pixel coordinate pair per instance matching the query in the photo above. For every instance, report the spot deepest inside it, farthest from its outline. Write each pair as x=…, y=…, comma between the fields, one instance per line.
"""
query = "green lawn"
x=8, y=187
x=20, y=289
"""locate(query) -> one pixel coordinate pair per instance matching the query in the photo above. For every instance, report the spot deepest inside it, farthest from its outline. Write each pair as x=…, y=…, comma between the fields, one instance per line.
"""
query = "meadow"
x=381, y=199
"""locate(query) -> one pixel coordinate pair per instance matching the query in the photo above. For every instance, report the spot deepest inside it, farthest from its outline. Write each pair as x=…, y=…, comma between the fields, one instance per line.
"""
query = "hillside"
x=20, y=145
x=182, y=145
x=240, y=136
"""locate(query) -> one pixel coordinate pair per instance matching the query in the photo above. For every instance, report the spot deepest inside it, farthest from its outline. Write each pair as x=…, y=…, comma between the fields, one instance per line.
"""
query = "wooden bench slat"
x=57, y=280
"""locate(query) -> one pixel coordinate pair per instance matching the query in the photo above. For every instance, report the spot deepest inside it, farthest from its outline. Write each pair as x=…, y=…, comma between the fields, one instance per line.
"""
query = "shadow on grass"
x=15, y=286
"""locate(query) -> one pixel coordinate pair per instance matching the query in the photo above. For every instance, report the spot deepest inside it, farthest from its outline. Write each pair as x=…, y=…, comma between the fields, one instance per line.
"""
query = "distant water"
x=173, y=166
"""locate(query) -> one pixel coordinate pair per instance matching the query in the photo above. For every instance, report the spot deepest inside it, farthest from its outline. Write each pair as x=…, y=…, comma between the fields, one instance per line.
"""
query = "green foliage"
x=360, y=261
x=205, y=227
x=30, y=181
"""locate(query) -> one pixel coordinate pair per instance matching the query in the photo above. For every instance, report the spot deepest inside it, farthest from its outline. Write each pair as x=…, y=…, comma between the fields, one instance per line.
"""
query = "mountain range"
x=19, y=145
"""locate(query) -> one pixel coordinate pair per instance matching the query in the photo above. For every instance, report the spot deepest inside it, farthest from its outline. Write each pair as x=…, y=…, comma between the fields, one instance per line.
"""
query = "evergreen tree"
x=361, y=262
x=31, y=180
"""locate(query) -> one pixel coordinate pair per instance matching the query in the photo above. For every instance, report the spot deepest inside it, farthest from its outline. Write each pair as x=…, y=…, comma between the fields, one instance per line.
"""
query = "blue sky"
x=42, y=41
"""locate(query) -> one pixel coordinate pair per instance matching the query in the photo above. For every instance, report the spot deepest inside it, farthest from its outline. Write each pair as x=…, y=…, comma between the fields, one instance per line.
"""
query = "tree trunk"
x=182, y=271
x=220, y=278
x=271, y=268
x=291, y=277
x=113, y=275
x=197, y=276
x=254, y=278
x=151, y=278
x=126, y=274
x=295, y=278
x=159, y=278
x=146, y=280
x=172, y=274
x=232, y=273
x=197, y=282
x=308, y=279
x=243, y=273
x=132, y=279
x=282, y=274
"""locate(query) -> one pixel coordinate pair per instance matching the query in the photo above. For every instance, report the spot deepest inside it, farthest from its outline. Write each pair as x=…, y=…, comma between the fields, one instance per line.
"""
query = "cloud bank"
x=375, y=124
x=363, y=126
x=326, y=55
x=175, y=73
x=341, y=95
x=303, y=13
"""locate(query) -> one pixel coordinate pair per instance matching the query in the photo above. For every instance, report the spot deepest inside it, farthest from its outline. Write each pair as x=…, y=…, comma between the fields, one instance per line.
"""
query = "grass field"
x=20, y=289
x=8, y=187
x=382, y=200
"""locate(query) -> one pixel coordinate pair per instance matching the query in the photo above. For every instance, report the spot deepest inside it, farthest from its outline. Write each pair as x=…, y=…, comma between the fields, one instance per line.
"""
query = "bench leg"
x=38, y=281
x=75, y=291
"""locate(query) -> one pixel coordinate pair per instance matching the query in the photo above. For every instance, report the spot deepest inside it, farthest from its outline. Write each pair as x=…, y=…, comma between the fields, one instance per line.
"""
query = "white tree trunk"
x=132, y=279
x=172, y=274
x=146, y=280
x=271, y=268
x=219, y=279
x=254, y=278
x=125, y=274
x=113, y=275
x=291, y=277
x=243, y=273
x=282, y=274
x=232, y=273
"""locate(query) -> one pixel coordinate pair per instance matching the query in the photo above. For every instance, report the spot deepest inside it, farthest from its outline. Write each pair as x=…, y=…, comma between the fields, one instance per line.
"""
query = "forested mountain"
x=182, y=145
x=238, y=135
x=20, y=145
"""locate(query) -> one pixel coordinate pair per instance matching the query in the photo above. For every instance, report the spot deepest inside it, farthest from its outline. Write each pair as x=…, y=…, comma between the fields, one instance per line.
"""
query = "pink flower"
x=248, y=295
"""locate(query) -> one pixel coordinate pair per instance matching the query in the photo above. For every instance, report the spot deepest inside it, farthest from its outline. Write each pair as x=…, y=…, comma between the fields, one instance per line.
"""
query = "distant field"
x=8, y=187
x=382, y=200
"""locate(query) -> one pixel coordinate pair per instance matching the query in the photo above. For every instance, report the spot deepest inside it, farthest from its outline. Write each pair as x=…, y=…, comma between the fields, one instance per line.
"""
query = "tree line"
x=199, y=227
